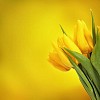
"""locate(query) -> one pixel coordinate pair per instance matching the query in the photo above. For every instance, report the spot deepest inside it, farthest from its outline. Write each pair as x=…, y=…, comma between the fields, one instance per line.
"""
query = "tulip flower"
x=59, y=59
x=66, y=42
x=84, y=40
x=88, y=35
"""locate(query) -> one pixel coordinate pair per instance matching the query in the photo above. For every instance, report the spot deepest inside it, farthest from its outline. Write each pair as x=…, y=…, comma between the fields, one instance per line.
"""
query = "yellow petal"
x=62, y=56
x=58, y=66
x=88, y=35
x=70, y=44
x=60, y=42
x=56, y=62
x=74, y=39
x=54, y=56
x=81, y=41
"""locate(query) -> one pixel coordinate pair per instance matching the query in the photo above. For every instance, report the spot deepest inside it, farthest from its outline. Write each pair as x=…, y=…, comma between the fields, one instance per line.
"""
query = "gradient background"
x=27, y=29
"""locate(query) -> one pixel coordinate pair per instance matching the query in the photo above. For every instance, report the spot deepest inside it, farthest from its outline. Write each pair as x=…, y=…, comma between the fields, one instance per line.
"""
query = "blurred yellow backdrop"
x=27, y=29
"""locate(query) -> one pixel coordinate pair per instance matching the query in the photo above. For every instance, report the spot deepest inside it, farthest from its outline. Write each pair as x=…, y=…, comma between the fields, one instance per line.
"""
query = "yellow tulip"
x=66, y=42
x=81, y=40
x=59, y=59
x=88, y=35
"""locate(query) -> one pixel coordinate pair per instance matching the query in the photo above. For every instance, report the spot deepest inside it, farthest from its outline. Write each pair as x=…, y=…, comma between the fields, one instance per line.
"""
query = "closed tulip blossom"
x=83, y=37
x=59, y=59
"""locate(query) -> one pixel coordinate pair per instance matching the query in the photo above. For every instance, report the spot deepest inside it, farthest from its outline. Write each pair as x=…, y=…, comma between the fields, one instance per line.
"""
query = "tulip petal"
x=70, y=44
x=75, y=34
x=81, y=41
x=62, y=57
x=58, y=66
x=60, y=43
x=88, y=36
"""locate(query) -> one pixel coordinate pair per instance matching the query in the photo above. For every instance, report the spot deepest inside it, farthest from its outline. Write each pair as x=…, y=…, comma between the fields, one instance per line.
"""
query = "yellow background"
x=27, y=29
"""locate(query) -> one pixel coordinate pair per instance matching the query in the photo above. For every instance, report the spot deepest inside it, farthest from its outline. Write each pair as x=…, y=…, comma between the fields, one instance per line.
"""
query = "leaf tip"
x=62, y=29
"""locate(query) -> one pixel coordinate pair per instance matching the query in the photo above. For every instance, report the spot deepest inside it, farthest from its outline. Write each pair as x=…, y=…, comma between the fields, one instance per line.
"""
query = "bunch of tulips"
x=80, y=51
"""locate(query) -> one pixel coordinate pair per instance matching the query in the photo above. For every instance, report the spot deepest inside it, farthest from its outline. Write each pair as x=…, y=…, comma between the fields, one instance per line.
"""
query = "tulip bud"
x=88, y=36
x=81, y=40
x=66, y=42
x=59, y=59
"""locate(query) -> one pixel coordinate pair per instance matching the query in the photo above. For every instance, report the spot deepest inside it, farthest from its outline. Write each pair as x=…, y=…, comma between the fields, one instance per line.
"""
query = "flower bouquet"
x=80, y=51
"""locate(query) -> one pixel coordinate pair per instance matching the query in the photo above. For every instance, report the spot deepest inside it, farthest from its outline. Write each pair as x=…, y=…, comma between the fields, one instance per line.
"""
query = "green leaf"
x=93, y=29
x=95, y=57
x=91, y=94
x=76, y=67
x=83, y=79
x=63, y=30
x=87, y=66
x=95, y=91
